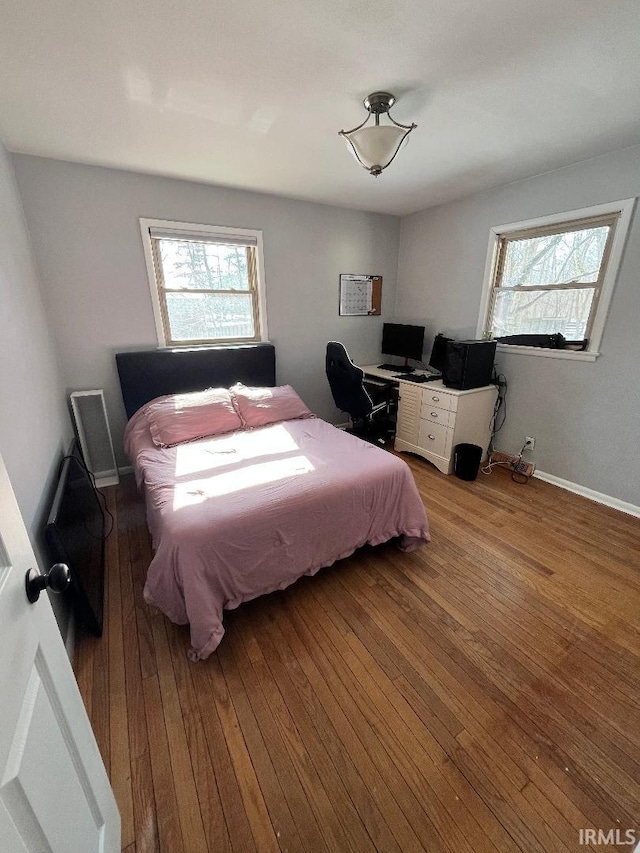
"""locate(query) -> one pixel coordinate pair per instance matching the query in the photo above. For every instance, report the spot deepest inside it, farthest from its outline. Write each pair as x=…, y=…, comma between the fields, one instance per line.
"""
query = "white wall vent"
x=92, y=425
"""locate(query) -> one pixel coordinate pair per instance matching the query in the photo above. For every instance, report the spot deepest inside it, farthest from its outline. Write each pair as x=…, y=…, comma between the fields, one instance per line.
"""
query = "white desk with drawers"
x=432, y=418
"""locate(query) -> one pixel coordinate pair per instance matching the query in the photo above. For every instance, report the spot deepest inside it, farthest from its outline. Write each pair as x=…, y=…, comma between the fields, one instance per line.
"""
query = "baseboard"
x=102, y=482
x=126, y=469
x=591, y=494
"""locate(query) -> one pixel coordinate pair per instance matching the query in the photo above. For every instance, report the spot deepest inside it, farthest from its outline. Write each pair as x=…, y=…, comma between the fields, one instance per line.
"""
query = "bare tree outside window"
x=207, y=290
x=548, y=281
x=203, y=266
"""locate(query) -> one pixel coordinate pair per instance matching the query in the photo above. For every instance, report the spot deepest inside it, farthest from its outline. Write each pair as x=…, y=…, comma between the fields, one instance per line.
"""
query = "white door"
x=54, y=791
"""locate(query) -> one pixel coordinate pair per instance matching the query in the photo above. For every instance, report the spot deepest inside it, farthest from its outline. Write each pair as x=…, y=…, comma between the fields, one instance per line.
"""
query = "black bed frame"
x=151, y=373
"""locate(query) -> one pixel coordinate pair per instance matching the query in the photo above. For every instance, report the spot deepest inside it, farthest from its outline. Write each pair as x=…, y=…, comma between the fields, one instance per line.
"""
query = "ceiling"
x=251, y=94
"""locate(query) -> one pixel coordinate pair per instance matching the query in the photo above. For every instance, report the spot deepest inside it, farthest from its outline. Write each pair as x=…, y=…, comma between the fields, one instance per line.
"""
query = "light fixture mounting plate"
x=379, y=102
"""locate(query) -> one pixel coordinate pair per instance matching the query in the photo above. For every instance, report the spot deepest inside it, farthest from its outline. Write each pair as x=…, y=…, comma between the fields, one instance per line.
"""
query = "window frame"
x=604, y=288
x=155, y=276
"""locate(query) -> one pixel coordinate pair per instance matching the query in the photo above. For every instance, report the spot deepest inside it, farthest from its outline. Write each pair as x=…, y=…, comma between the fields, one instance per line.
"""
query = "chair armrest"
x=380, y=407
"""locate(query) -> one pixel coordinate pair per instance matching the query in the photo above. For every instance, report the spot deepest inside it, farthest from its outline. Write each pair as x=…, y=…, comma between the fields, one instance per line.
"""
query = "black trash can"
x=466, y=461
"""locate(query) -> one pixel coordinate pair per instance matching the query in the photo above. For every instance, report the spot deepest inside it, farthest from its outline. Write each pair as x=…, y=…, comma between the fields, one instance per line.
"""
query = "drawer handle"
x=434, y=414
x=436, y=399
x=432, y=437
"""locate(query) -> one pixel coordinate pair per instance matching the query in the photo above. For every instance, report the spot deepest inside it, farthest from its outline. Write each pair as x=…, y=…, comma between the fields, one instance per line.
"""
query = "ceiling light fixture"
x=376, y=146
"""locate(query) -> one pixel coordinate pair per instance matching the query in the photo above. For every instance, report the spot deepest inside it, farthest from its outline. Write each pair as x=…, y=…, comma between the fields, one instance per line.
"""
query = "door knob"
x=57, y=579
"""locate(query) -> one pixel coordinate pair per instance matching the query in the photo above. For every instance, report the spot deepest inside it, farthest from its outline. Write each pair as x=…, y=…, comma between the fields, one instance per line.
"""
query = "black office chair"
x=362, y=401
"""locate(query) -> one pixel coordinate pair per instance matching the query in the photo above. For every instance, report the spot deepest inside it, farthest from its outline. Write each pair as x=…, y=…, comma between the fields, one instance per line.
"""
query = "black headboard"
x=152, y=373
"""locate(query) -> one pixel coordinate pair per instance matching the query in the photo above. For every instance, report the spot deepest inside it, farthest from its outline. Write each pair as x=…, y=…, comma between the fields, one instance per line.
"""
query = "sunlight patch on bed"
x=217, y=485
x=203, y=455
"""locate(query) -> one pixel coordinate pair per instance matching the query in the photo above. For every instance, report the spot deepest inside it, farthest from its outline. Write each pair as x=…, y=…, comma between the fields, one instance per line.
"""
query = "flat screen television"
x=75, y=535
x=402, y=340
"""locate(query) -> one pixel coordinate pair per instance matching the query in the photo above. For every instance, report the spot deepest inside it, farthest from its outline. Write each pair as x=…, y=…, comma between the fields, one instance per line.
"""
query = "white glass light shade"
x=375, y=145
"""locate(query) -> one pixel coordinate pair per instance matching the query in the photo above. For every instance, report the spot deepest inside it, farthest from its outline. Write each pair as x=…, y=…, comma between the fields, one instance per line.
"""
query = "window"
x=206, y=283
x=555, y=275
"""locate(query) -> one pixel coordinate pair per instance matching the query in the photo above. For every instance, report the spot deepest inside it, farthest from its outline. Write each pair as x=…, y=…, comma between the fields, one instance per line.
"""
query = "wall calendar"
x=360, y=295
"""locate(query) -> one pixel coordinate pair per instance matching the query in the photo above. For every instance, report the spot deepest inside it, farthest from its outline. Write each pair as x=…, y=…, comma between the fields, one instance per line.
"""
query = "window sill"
x=209, y=345
x=570, y=355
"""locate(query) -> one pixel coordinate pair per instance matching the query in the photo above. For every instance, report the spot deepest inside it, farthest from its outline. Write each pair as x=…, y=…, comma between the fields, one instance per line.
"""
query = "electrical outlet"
x=529, y=443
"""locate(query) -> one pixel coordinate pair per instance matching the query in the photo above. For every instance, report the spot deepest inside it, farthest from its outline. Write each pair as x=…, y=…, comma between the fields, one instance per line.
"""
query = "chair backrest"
x=346, y=382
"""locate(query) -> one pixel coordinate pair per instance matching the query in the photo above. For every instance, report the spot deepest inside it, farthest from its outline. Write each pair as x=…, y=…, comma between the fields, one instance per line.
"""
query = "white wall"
x=585, y=416
x=84, y=225
x=34, y=424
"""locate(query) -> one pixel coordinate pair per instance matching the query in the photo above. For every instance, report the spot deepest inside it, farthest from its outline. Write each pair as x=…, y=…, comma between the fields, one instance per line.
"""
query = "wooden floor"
x=481, y=694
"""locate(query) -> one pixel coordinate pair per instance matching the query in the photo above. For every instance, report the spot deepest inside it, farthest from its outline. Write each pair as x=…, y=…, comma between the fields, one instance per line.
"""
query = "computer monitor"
x=402, y=340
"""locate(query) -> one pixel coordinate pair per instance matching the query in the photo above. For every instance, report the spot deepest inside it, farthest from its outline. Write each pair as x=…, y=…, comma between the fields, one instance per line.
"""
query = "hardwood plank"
x=419, y=757
x=203, y=771
x=332, y=681
x=336, y=599
x=116, y=553
x=533, y=723
x=280, y=816
x=479, y=705
x=513, y=681
x=552, y=815
x=255, y=807
x=186, y=794
x=309, y=831
x=140, y=545
x=370, y=809
x=383, y=750
x=303, y=748
x=488, y=592
x=531, y=655
x=392, y=757
x=144, y=803
x=529, y=765
x=83, y=670
x=515, y=811
x=238, y=826
x=412, y=688
x=506, y=580
x=164, y=784
x=478, y=694
x=100, y=688
x=339, y=709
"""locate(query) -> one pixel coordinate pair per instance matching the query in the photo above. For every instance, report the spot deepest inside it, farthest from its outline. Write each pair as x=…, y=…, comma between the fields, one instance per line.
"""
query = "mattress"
x=235, y=516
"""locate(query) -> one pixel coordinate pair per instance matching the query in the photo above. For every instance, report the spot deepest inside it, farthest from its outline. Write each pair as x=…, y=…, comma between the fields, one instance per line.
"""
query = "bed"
x=249, y=511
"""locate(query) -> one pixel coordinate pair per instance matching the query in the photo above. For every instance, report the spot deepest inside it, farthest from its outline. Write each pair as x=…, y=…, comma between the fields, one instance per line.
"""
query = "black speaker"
x=469, y=364
x=438, y=357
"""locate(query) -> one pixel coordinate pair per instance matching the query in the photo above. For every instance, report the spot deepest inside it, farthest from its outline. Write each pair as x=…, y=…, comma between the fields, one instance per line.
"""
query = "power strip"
x=526, y=469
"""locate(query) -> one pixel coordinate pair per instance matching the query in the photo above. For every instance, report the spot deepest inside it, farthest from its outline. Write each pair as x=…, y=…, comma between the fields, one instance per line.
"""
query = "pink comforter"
x=239, y=515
